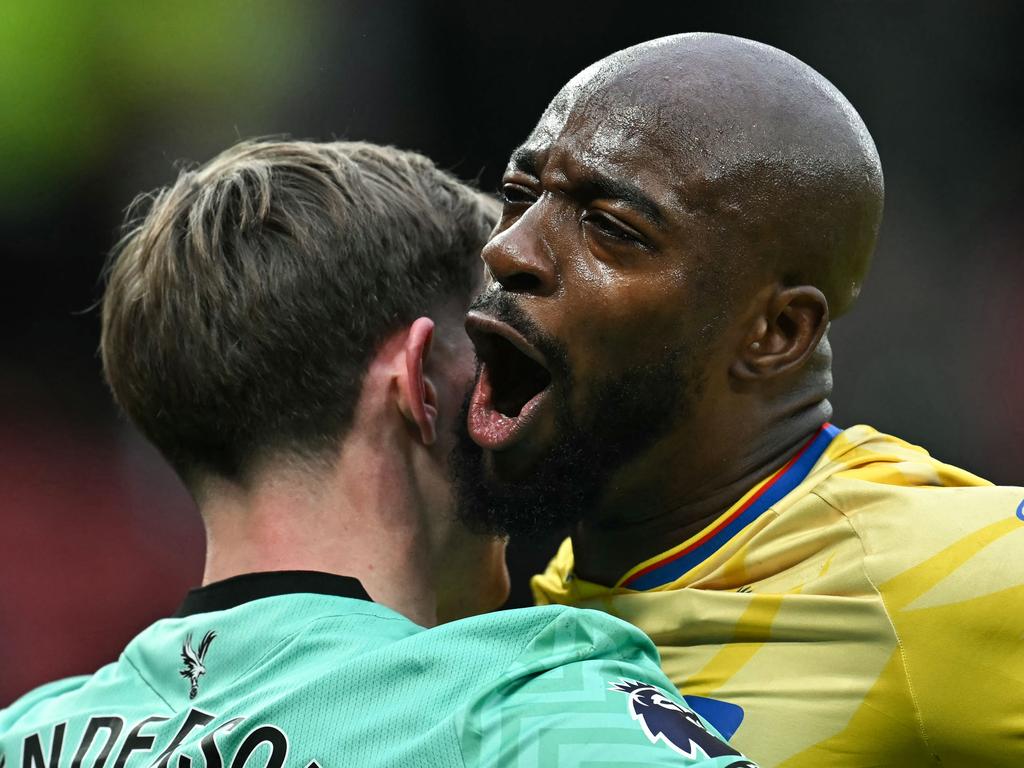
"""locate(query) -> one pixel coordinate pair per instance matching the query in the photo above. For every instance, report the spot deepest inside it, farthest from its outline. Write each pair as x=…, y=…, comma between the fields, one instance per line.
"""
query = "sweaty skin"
x=701, y=199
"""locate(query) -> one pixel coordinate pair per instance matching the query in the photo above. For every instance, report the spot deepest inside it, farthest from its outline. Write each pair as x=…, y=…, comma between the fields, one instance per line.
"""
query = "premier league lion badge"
x=680, y=728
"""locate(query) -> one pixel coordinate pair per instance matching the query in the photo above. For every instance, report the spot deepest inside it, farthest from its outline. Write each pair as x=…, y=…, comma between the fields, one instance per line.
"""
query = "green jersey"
x=302, y=670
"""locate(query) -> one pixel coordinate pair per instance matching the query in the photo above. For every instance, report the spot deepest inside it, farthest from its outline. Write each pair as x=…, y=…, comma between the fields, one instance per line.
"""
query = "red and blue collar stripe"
x=674, y=565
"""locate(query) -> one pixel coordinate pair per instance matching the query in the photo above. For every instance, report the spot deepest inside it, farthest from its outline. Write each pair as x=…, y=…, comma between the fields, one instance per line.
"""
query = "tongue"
x=489, y=427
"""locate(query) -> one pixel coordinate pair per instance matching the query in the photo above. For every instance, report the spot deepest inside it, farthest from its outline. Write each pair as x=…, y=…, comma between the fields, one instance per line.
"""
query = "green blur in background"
x=72, y=74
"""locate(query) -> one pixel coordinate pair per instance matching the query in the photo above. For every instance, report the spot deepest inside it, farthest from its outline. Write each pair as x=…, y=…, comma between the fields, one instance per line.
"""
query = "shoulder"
x=551, y=634
x=865, y=474
x=864, y=454
x=935, y=530
x=873, y=507
x=584, y=687
x=494, y=649
x=924, y=529
x=44, y=697
x=927, y=530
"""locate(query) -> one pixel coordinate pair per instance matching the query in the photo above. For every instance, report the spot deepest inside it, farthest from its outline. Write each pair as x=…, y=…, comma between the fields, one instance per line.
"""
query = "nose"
x=520, y=260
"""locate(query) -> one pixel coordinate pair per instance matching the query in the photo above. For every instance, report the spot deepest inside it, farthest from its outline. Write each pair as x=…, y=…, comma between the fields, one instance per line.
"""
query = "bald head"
x=675, y=234
x=762, y=151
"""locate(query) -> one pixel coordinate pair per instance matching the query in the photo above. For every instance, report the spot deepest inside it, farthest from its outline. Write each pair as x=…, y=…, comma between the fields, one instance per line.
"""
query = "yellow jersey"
x=863, y=606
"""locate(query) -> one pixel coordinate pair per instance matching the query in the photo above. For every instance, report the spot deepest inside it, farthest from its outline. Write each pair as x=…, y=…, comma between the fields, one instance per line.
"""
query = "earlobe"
x=417, y=395
x=783, y=337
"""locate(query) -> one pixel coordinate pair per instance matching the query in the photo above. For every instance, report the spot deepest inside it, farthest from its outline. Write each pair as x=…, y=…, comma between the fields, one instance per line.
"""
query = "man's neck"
x=607, y=547
x=352, y=522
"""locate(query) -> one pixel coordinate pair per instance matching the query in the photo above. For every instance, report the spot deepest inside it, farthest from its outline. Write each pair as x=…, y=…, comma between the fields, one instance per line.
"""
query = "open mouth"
x=513, y=382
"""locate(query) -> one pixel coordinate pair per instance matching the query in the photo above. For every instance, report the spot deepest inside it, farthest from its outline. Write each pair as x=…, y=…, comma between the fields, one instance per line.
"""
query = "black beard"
x=625, y=416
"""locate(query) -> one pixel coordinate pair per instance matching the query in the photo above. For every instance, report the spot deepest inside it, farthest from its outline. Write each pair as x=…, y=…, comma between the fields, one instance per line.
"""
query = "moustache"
x=504, y=306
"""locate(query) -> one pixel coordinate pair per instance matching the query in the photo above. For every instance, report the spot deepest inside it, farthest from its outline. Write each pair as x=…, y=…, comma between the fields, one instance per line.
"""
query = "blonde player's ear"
x=783, y=337
x=417, y=396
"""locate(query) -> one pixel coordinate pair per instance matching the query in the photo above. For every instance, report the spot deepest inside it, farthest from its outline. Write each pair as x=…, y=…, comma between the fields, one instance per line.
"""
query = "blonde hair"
x=242, y=306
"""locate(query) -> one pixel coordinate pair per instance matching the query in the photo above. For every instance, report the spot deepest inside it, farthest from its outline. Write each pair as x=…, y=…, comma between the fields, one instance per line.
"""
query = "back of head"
x=242, y=308
x=764, y=150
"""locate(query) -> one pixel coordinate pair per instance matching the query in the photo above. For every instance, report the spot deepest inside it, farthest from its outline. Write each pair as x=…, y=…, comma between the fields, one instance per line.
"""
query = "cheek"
x=456, y=381
x=462, y=367
x=623, y=330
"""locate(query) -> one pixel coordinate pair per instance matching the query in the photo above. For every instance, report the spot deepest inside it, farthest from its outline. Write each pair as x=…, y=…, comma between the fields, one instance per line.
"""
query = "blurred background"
x=102, y=100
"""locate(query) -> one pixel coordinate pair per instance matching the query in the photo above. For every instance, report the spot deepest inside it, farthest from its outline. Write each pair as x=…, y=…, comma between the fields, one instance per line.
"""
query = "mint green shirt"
x=285, y=671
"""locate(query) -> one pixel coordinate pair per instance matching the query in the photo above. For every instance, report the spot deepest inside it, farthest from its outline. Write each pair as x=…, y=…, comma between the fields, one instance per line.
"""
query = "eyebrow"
x=526, y=160
x=598, y=186
x=595, y=185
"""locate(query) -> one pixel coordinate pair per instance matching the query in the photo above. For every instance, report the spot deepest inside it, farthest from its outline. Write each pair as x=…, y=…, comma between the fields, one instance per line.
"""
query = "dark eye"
x=609, y=227
x=516, y=194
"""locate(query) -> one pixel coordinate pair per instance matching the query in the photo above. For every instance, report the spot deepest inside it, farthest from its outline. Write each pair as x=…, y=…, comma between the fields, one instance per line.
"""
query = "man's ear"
x=417, y=396
x=784, y=335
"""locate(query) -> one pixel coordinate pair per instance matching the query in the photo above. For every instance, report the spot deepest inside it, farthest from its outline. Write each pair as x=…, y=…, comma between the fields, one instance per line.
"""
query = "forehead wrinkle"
x=749, y=149
x=579, y=178
x=592, y=167
x=704, y=168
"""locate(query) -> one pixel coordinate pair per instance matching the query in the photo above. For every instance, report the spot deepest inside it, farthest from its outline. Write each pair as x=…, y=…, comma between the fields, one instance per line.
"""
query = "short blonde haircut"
x=242, y=308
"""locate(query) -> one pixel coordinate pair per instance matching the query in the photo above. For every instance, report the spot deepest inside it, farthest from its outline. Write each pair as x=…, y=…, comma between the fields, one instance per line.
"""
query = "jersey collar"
x=669, y=566
x=230, y=593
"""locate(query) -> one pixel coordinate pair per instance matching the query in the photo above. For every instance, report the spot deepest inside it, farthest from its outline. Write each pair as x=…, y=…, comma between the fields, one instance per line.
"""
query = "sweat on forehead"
x=754, y=139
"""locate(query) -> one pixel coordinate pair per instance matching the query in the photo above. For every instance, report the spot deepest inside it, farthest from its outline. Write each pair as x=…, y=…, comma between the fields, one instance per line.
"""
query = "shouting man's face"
x=677, y=231
x=594, y=336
